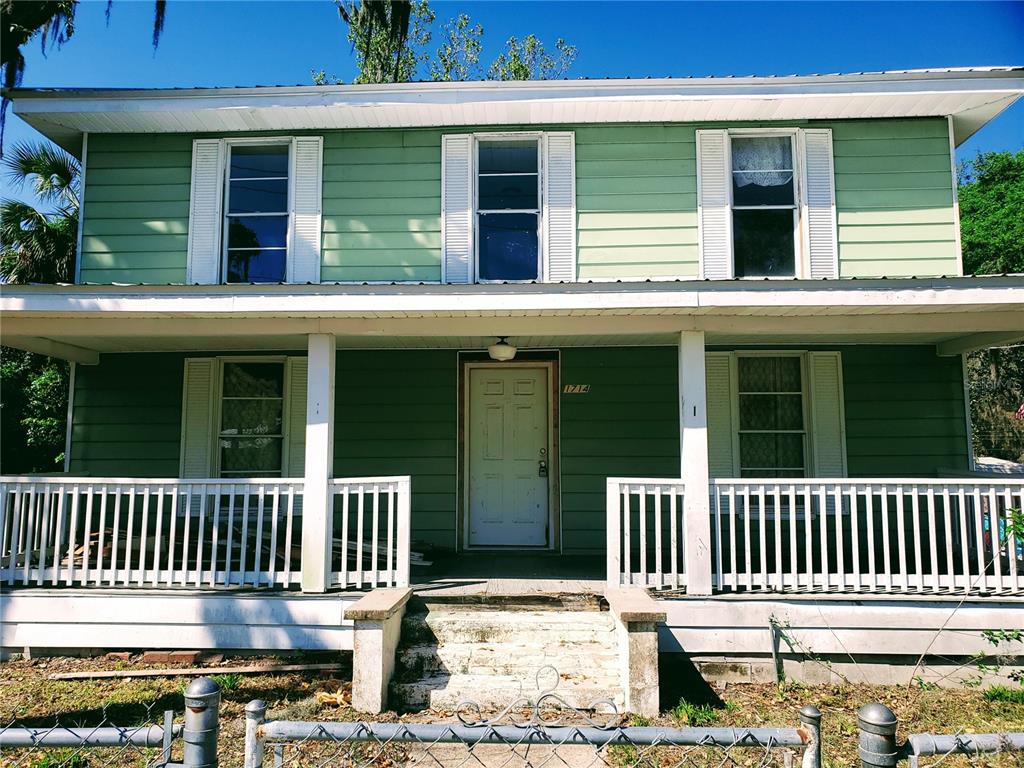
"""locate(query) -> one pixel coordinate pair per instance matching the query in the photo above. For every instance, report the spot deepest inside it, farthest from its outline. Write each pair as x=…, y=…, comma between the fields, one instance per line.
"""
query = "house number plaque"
x=575, y=389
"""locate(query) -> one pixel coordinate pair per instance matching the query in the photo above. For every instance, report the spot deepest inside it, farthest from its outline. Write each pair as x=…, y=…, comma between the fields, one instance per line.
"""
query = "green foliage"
x=991, y=195
x=458, y=56
x=388, y=52
x=33, y=410
x=227, y=682
x=62, y=758
x=1004, y=694
x=695, y=715
x=529, y=60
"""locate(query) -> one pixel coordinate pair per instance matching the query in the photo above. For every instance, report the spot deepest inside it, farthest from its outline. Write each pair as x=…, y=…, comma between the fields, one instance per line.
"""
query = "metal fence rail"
x=533, y=741
x=114, y=746
x=878, y=746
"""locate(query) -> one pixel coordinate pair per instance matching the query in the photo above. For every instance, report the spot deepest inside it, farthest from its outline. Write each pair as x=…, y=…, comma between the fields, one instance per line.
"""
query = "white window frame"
x=215, y=423
x=801, y=264
x=805, y=402
x=537, y=136
x=226, y=204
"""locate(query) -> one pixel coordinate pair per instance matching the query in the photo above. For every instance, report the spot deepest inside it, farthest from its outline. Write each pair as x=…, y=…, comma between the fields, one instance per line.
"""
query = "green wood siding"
x=126, y=420
x=625, y=425
x=396, y=414
x=135, y=228
x=904, y=412
x=382, y=206
x=636, y=196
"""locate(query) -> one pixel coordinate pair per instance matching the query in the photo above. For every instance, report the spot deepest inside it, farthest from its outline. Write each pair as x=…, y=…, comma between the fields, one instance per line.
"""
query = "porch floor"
x=495, y=574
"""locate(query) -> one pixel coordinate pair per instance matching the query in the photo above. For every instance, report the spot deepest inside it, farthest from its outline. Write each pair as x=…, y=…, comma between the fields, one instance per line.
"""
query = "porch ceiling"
x=77, y=322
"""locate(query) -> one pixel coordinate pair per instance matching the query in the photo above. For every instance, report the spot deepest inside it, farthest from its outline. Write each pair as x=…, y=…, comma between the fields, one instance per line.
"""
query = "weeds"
x=693, y=714
x=1004, y=694
x=227, y=682
x=63, y=758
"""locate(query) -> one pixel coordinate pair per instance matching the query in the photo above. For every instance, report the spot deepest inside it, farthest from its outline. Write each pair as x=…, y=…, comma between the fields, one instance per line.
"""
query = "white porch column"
x=316, y=502
x=693, y=452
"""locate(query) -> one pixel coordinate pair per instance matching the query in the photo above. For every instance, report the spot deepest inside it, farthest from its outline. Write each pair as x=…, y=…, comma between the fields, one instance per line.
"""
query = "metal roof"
x=971, y=96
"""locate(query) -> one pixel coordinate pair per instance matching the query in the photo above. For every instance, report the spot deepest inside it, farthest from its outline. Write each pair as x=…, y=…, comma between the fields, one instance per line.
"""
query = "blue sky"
x=274, y=43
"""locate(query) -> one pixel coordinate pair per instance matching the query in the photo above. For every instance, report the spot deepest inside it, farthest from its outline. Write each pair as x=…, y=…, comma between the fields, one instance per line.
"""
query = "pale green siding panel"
x=636, y=202
x=625, y=173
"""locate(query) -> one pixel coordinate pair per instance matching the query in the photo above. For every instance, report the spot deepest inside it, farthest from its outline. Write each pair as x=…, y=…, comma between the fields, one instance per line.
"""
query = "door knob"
x=542, y=468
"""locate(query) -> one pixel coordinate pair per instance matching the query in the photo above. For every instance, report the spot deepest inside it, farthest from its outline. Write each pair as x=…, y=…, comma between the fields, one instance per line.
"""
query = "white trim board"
x=132, y=619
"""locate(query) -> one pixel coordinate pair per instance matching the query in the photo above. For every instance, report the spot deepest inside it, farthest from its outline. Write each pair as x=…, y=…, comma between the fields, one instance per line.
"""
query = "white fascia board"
x=805, y=297
x=971, y=97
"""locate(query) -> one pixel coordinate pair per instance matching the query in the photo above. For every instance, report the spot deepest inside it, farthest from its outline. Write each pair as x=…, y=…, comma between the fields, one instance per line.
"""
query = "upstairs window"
x=765, y=211
x=251, y=436
x=508, y=209
x=256, y=215
x=771, y=425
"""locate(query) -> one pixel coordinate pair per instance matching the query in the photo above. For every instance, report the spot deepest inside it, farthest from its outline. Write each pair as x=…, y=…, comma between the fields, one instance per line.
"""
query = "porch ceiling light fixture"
x=502, y=351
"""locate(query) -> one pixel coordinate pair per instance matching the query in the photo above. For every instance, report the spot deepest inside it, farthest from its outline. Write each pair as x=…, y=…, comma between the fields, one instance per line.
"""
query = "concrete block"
x=378, y=627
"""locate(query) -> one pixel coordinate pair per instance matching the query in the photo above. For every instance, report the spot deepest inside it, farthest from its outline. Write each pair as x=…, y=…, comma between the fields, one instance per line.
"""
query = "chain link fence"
x=155, y=742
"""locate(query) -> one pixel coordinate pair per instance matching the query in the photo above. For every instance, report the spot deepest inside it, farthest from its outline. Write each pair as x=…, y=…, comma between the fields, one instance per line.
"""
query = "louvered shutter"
x=205, y=212
x=718, y=377
x=820, y=193
x=304, y=252
x=714, y=218
x=560, y=206
x=827, y=419
x=197, y=417
x=457, y=207
x=297, y=374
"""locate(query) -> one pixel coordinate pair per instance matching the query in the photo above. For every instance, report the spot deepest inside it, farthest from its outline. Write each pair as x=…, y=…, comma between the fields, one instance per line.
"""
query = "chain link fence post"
x=877, y=746
x=810, y=718
x=202, y=721
x=255, y=715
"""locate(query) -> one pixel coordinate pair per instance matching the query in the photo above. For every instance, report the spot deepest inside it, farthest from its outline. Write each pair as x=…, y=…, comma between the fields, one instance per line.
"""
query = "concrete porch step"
x=465, y=625
x=495, y=692
x=507, y=659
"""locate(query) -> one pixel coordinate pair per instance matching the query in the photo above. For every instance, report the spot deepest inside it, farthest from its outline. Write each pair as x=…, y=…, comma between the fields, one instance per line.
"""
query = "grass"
x=227, y=682
x=1004, y=694
x=27, y=695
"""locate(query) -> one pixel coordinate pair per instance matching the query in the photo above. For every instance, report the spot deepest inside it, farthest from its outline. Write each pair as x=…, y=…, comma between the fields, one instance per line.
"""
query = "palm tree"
x=38, y=246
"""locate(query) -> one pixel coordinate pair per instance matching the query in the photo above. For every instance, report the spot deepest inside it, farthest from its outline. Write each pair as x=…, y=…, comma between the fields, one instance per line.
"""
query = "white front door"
x=507, y=476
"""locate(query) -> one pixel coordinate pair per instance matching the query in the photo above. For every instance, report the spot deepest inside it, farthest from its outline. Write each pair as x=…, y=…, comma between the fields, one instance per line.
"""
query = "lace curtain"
x=755, y=160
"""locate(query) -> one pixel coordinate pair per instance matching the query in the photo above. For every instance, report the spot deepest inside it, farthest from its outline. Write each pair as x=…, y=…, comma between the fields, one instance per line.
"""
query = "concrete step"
x=495, y=692
x=466, y=625
x=506, y=658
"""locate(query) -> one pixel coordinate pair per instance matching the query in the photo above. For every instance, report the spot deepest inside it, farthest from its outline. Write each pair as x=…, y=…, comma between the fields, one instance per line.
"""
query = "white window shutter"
x=297, y=375
x=820, y=194
x=197, y=417
x=457, y=208
x=205, y=212
x=718, y=378
x=714, y=217
x=307, y=175
x=827, y=418
x=560, y=206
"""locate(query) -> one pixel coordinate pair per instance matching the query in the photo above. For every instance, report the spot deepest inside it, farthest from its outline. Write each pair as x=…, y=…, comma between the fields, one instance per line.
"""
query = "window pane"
x=253, y=196
x=497, y=192
x=259, y=161
x=769, y=374
x=771, y=412
x=771, y=451
x=251, y=417
x=250, y=454
x=256, y=266
x=763, y=243
x=257, y=232
x=762, y=170
x=508, y=246
x=508, y=156
x=253, y=379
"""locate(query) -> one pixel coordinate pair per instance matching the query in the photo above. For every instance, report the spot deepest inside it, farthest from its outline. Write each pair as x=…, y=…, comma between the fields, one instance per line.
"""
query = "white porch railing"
x=122, y=532
x=371, y=532
x=646, y=532
x=824, y=535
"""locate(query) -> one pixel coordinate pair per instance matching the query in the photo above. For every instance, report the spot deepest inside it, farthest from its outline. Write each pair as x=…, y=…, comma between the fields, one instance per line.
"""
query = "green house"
x=703, y=337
